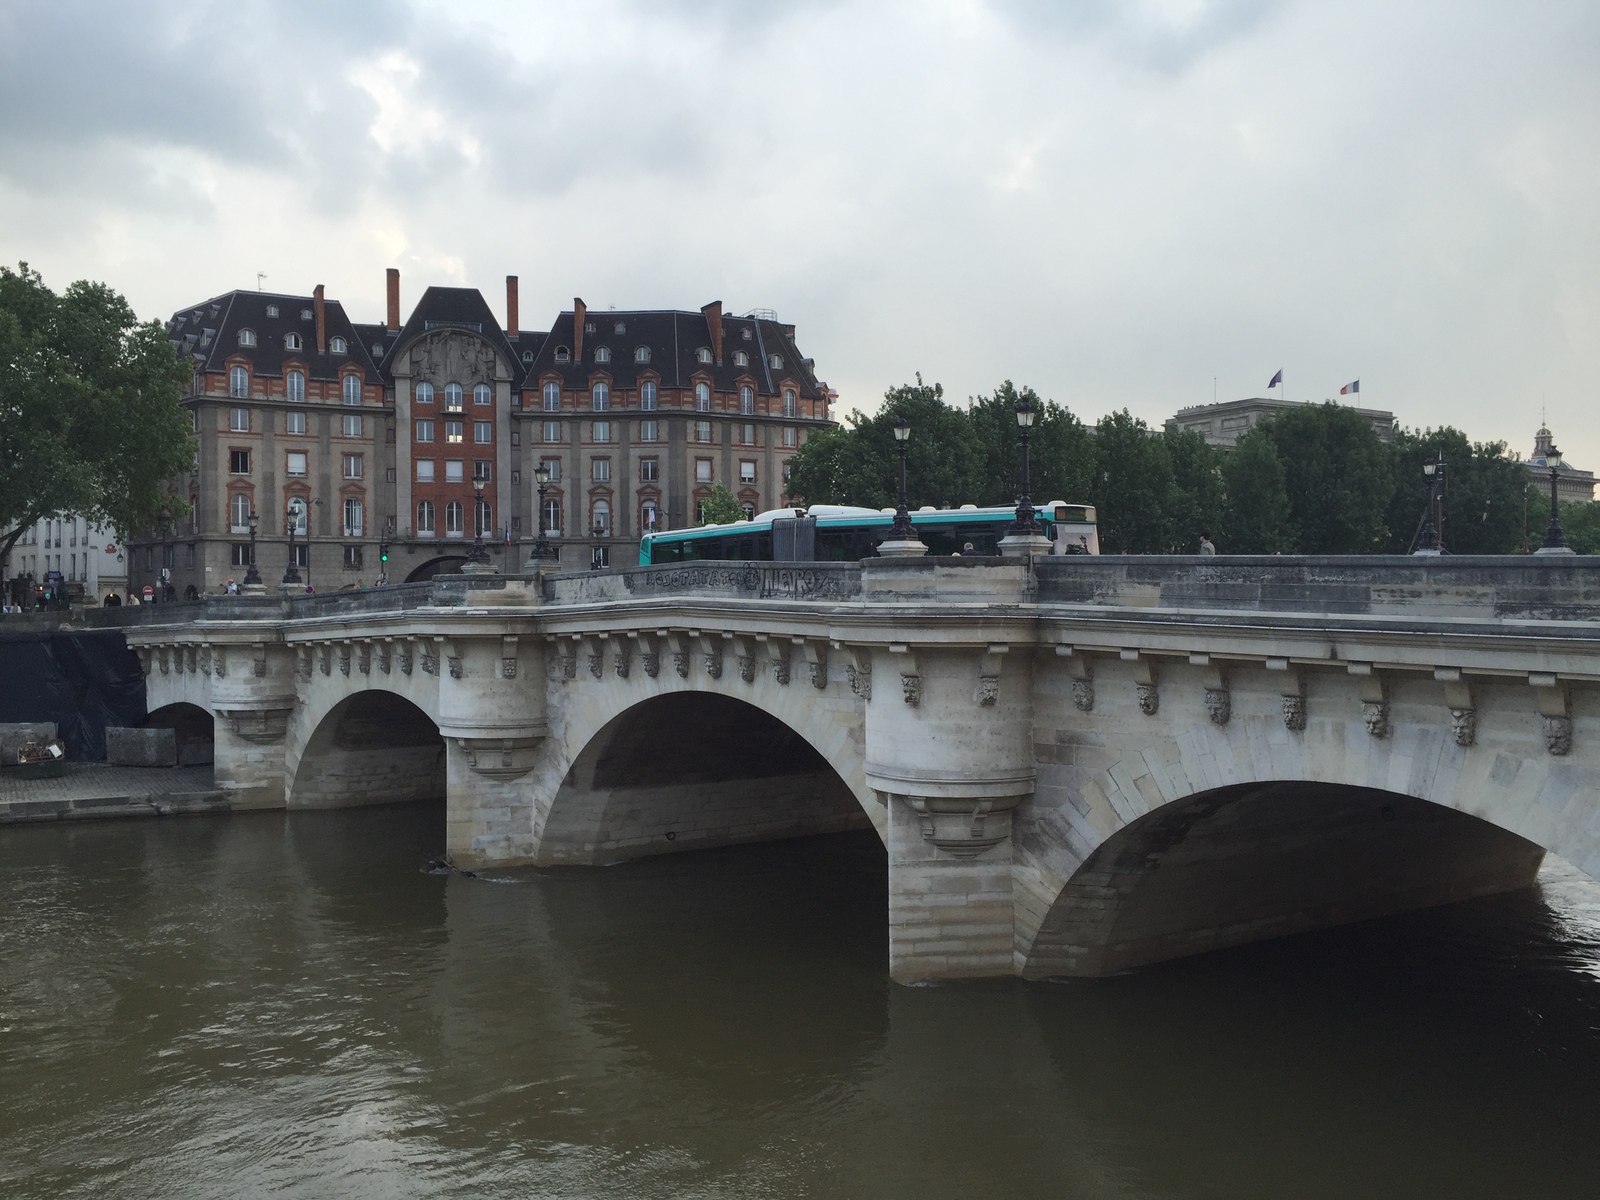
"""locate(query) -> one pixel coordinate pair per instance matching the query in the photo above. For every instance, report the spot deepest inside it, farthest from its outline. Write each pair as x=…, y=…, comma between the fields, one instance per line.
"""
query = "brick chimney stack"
x=320, y=308
x=713, y=314
x=579, y=312
x=511, y=306
x=394, y=299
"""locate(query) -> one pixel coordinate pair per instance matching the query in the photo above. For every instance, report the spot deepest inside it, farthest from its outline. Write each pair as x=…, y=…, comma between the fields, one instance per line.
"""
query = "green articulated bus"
x=840, y=533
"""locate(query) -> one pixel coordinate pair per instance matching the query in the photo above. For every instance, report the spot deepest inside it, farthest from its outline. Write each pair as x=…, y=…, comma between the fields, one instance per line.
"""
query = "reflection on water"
x=285, y=1004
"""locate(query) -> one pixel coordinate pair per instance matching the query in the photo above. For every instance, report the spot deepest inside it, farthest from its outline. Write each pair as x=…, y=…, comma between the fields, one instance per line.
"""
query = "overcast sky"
x=1122, y=204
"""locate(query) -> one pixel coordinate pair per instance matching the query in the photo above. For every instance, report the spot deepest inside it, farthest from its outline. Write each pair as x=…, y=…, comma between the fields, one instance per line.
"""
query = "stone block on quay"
x=14, y=736
x=196, y=754
x=141, y=747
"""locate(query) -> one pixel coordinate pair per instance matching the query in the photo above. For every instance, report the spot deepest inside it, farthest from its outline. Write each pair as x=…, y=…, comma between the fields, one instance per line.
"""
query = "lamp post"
x=1025, y=525
x=1555, y=541
x=292, y=515
x=596, y=551
x=901, y=530
x=252, y=577
x=542, y=550
x=478, y=556
x=1428, y=540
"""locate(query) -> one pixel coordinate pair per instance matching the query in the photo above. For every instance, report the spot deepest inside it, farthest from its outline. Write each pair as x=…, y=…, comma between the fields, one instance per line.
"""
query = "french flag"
x=1351, y=389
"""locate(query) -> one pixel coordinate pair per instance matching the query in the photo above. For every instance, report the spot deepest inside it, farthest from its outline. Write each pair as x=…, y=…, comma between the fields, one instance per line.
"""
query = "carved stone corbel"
x=405, y=653
x=1219, y=696
x=430, y=660
x=680, y=644
x=858, y=671
x=1374, y=699
x=910, y=673
x=710, y=644
x=164, y=659
x=258, y=659
x=778, y=655
x=1293, y=691
x=1080, y=670
x=1458, y=698
x=205, y=658
x=344, y=658
x=622, y=656
x=219, y=661
x=453, y=657
x=191, y=659
x=988, y=690
x=1555, y=712
x=816, y=655
x=650, y=651
x=386, y=656
x=1146, y=681
x=364, y=658
x=744, y=649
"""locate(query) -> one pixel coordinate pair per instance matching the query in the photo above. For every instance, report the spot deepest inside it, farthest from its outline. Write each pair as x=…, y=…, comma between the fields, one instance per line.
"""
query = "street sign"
x=149, y=592
x=111, y=547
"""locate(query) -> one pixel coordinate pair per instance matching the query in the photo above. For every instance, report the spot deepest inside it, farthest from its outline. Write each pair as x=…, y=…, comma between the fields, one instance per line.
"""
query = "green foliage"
x=1256, y=512
x=1338, y=475
x=1485, y=494
x=721, y=507
x=89, y=415
x=1060, y=449
x=1196, y=505
x=1580, y=522
x=1133, y=489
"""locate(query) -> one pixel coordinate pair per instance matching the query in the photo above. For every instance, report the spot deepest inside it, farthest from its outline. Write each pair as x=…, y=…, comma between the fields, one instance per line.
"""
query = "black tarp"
x=82, y=680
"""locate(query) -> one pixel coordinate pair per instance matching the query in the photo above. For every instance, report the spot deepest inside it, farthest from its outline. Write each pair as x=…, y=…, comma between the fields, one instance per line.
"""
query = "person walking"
x=1206, y=546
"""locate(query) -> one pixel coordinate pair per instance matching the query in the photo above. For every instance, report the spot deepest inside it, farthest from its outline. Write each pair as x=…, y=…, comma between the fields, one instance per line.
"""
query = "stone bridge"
x=1075, y=766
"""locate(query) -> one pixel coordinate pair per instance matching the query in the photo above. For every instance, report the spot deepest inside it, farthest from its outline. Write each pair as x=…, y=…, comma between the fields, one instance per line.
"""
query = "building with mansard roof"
x=1572, y=485
x=417, y=435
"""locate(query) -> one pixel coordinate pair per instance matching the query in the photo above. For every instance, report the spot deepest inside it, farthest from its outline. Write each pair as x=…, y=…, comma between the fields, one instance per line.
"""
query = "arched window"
x=425, y=517
x=296, y=514
x=552, y=396
x=272, y=310
x=424, y=393
x=747, y=400
x=485, y=525
x=563, y=354
x=552, y=517
x=649, y=516
x=642, y=354
x=337, y=345
x=454, y=516
x=788, y=402
x=749, y=510
x=777, y=362
x=601, y=396
x=481, y=394
x=352, y=389
x=741, y=359
x=247, y=337
x=291, y=341
x=295, y=385
x=602, y=354
x=238, y=513
x=452, y=397
x=703, y=354
x=647, y=395
x=602, y=518
x=238, y=382
x=702, y=397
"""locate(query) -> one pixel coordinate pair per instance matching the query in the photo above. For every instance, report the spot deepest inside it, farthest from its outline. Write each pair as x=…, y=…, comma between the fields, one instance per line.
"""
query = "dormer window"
x=621, y=328
x=291, y=341
x=527, y=356
x=703, y=354
x=247, y=337
x=563, y=354
x=777, y=362
x=588, y=326
x=741, y=359
x=377, y=350
x=642, y=354
x=336, y=345
x=602, y=354
x=272, y=310
x=745, y=334
x=305, y=314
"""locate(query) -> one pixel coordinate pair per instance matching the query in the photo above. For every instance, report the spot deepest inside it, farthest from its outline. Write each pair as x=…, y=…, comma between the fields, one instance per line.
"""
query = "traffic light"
x=383, y=551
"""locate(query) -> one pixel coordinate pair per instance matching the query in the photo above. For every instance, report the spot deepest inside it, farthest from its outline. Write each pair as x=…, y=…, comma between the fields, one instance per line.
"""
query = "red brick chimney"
x=394, y=298
x=713, y=314
x=511, y=306
x=320, y=308
x=579, y=312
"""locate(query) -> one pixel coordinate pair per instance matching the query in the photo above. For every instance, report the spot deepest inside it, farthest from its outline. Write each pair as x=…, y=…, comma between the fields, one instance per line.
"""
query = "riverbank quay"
x=98, y=791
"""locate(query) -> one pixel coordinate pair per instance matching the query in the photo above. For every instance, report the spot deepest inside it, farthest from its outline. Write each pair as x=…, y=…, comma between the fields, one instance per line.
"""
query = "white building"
x=83, y=553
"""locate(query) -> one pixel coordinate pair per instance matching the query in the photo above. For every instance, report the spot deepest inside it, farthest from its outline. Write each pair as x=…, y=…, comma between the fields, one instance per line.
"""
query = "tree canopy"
x=1315, y=479
x=89, y=417
x=721, y=507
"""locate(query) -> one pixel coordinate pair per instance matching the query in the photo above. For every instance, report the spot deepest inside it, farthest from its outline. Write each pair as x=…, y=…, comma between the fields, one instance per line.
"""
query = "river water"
x=286, y=1005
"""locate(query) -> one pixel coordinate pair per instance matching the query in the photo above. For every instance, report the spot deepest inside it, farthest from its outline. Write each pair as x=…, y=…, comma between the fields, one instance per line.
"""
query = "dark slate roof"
x=673, y=337
x=457, y=308
x=209, y=332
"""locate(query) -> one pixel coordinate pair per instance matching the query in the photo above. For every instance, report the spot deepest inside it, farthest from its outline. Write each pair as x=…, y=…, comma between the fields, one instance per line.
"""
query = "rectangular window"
x=552, y=518
x=602, y=470
x=454, y=471
x=353, y=517
x=649, y=470
x=239, y=420
x=424, y=470
x=241, y=554
x=239, y=462
x=747, y=470
x=748, y=435
x=602, y=431
x=424, y=431
x=483, y=432
x=516, y=437
x=352, y=556
x=296, y=423
x=702, y=431
x=790, y=436
x=302, y=555
x=481, y=469
x=352, y=466
x=702, y=470
x=352, y=425
x=295, y=463
x=555, y=468
x=389, y=475
x=552, y=432
x=788, y=469
x=455, y=432
x=647, y=431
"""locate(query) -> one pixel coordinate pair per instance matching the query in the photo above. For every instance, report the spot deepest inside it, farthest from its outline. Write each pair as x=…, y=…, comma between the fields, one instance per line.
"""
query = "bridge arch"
x=193, y=726
x=689, y=767
x=444, y=564
x=372, y=746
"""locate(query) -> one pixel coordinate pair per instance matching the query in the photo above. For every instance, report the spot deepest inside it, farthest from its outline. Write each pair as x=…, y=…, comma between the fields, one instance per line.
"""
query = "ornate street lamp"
x=1555, y=541
x=901, y=530
x=597, y=551
x=1428, y=541
x=291, y=517
x=252, y=577
x=542, y=550
x=1025, y=524
x=478, y=554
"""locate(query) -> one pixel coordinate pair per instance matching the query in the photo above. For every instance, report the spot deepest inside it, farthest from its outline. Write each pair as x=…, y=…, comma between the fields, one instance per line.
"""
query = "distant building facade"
x=1223, y=424
x=79, y=551
x=382, y=431
x=1572, y=485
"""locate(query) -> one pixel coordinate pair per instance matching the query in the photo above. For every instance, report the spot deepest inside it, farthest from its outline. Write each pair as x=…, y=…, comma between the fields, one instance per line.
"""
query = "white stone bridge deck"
x=1075, y=767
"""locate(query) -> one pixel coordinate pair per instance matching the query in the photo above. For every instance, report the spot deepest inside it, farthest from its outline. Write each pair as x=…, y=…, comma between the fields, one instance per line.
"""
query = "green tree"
x=1484, y=494
x=89, y=415
x=1061, y=452
x=1133, y=490
x=1195, y=502
x=1580, y=522
x=1255, y=516
x=721, y=507
x=1339, y=477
